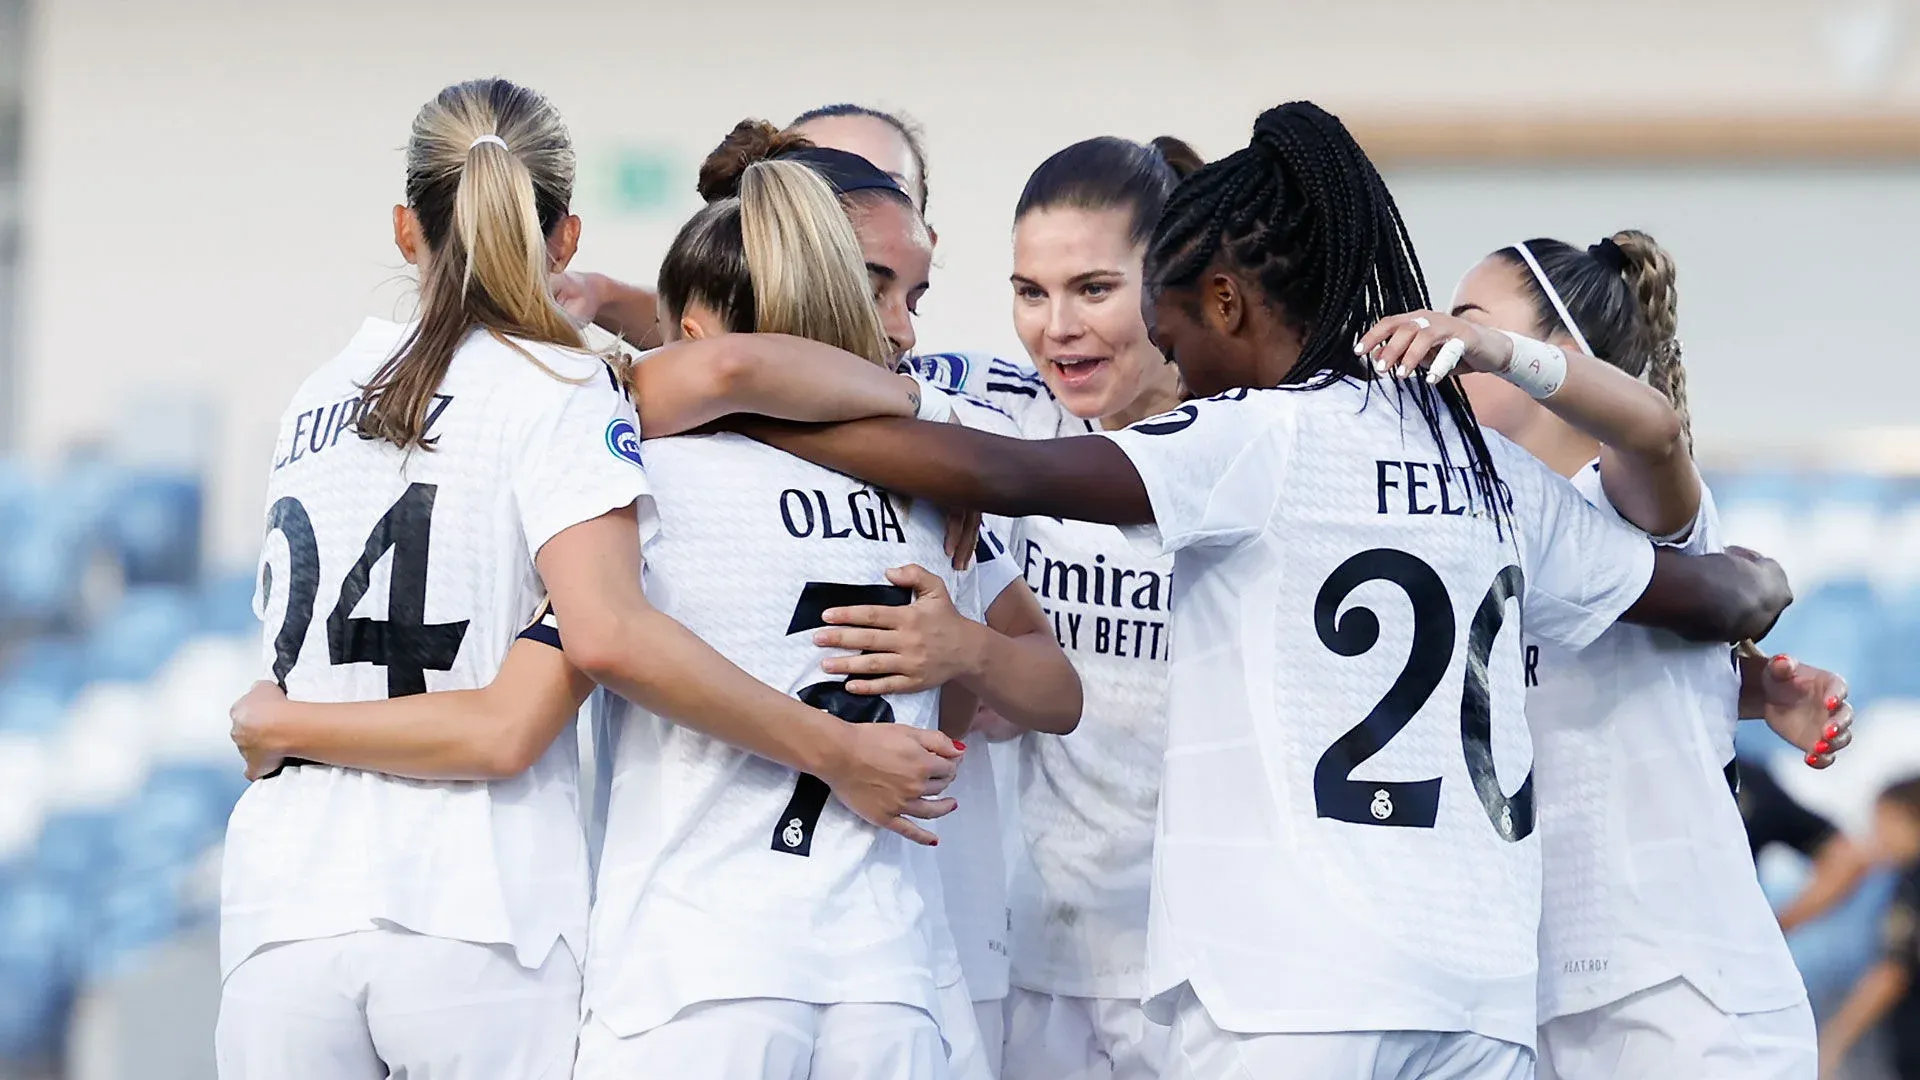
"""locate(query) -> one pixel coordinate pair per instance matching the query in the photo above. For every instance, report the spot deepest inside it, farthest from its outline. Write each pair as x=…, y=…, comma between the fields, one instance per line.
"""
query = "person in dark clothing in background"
x=1773, y=817
x=1888, y=989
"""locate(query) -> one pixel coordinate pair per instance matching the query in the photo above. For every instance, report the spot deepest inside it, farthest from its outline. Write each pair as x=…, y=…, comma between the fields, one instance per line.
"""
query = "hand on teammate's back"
x=906, y=649
x=889, y=773
x=252, y=718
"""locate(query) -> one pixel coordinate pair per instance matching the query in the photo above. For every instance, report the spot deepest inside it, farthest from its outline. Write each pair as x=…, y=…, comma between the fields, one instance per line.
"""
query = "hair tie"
x=489, y=137
x=1609, y=256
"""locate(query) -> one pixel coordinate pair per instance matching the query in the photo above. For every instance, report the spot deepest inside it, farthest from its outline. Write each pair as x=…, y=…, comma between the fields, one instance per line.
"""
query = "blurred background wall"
x=194, y=212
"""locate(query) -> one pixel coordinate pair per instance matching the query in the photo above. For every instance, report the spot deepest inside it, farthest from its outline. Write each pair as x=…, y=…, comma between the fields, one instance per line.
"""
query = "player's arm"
x=1722, y=597
x=1839, y=866
x=629, y=311
x=1011, y=662
x=1873, y=997
x=1645, y=464
x=493, y=733
x=692, y=383
x=1085, y=478
x=883, y=772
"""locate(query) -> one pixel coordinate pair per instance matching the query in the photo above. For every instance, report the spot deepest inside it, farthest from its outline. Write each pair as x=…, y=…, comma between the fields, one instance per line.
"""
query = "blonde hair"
x=490, y=171
x=779, y=256
x=1651, y=273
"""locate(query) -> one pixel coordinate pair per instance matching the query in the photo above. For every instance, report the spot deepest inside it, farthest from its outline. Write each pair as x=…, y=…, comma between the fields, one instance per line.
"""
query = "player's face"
x=1076, y=307
x=875, y=140
x=1208, y=359
x=899, y=254
x=1494, y=293
x=1896, y=835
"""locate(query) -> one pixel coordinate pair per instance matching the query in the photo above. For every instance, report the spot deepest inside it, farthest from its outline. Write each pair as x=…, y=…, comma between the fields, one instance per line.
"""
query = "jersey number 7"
x=793, y=833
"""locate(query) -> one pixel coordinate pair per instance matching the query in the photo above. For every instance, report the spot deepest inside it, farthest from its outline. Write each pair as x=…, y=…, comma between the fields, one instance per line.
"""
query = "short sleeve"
x=579, y=458
x=994, y=569
x=1584, y=568
x=1213, y=469
x=1701, y=536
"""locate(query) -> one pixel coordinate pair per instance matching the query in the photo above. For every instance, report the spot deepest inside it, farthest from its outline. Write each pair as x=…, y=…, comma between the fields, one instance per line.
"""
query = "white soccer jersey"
x=725, y=875
x=388, y=573
x=1081, y=877
x=1346, y=835
x=1647, y=871
x=1011, y=386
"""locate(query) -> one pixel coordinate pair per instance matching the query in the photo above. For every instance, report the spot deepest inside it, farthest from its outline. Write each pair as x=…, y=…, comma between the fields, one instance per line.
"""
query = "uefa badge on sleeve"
x=623, y=439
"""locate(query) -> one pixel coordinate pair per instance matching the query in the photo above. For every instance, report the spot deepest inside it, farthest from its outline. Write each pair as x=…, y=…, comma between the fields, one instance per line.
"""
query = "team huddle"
x=1360, y=671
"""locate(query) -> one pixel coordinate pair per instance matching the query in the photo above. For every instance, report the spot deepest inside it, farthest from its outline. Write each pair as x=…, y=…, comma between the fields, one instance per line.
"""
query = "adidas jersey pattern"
x=725, y=875
x=387, y=573
x=1647, y=871
x=1346, y=834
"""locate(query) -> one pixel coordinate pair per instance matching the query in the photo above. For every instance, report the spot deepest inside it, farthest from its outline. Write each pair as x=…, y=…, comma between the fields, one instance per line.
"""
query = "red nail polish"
x=958, y=745
x=1813, y=759
x=1832, y=731
x=1823, y=747
x=1833, y=703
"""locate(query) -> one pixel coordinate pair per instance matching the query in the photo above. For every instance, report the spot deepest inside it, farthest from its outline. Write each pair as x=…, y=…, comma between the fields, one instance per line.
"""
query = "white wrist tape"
x=1538, y=367
x=935, y=406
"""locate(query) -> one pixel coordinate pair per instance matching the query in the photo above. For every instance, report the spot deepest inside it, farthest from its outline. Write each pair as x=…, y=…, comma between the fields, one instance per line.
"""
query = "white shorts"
x=1055, y=1037
x=1673, y=1030
x=388, y=1002
x=1204, y=1052
x=770, y=1039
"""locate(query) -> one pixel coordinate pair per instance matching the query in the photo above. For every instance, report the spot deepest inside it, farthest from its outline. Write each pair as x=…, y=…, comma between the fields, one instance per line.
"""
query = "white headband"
x=1553, y=294
x=494, y=139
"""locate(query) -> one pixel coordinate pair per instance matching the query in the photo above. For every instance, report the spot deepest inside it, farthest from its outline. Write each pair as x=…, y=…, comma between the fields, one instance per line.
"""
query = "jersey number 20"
x=405, y=644
x=1415, y=803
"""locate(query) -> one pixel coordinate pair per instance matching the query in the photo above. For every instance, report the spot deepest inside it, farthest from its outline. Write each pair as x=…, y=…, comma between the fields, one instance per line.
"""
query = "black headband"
x=846, y=173
x=1608, y=255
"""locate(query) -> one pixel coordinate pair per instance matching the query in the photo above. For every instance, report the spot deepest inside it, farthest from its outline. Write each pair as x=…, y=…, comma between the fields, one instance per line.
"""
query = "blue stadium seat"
x=41, y=933
x=131, y=642
x=1895, y=664
x=1835, y=628
x=75, y=849
x=154, y=527
x=226, y=606
x=180, y=812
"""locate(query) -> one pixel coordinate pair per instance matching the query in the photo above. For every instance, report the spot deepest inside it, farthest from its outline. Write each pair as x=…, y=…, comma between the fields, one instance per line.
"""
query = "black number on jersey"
x=404, y=644
x=1415, y=803
x=793, y=833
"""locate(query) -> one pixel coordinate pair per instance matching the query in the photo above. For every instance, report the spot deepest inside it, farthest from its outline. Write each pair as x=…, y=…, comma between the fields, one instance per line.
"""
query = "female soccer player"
x=745, y=926
x=1345, y=879
x=1086, y=804
x=1659, y=954
x=372, y=925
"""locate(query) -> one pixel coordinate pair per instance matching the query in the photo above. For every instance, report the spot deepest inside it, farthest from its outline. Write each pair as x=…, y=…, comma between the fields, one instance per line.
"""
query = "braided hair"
x=1302, y=211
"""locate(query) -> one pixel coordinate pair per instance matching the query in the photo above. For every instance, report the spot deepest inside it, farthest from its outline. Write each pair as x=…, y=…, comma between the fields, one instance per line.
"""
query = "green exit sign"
x=643, y=180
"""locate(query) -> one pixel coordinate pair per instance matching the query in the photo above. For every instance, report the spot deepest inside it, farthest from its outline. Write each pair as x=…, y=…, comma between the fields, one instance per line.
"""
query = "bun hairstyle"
x=489, y=176
x=773, y=251
x=1621, y=293
x=1109, y=173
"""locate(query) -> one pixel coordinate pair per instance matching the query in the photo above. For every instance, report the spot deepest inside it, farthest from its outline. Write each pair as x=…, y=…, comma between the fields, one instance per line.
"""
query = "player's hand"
x=891, y=773
x=1401, y=345
x=993, y=727
x=1771, y=593
x=253, y=725
x=579, y=294
x=924, y=644
x=1808, y=707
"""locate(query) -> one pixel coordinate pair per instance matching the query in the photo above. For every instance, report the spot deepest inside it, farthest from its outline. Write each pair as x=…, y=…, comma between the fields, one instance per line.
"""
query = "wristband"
x=1538, y=367
x=935, y=406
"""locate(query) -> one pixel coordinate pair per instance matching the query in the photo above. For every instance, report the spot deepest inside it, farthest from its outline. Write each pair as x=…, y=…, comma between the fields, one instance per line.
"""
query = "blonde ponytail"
x=1651, y=274
x=809, y=277
x=490, y=172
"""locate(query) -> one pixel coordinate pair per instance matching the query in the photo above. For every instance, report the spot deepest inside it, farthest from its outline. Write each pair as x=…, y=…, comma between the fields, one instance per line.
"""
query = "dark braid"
x=1302, y=211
